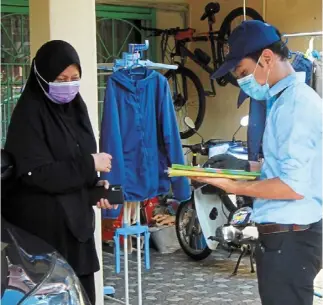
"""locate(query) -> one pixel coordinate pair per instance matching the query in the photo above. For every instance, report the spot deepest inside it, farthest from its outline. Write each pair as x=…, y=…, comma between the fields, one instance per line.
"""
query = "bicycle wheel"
x=188, y=98
x=232, y=20
x=193, y=243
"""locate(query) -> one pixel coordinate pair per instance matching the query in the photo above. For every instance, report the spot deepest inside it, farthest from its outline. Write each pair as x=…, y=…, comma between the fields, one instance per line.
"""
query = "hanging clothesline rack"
x=305, y=34
x=133, y=58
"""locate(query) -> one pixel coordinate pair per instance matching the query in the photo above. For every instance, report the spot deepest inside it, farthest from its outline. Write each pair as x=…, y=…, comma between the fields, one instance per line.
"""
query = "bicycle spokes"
x=185, y=98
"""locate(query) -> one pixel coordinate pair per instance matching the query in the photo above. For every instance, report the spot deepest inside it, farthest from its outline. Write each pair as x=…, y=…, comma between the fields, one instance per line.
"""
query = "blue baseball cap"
x=249, y=37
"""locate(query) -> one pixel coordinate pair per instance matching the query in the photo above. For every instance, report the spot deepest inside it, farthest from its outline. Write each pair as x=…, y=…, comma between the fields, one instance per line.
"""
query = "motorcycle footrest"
x=213, y=238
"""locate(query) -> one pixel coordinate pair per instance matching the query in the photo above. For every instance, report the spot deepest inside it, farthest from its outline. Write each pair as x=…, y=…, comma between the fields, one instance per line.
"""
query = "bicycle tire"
x=201, y=97
x=224, y=30
x=196, y=256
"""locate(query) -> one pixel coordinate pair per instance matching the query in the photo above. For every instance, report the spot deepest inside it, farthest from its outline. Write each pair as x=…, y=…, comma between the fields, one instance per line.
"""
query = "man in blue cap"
x=288, y=197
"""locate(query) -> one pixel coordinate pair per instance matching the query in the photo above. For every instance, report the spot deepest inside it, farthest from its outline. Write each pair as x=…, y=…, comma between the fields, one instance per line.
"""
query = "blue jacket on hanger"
x=139, y=130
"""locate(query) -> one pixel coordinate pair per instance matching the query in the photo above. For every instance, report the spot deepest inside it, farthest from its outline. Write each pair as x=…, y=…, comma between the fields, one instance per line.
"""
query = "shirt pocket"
x=270, y=256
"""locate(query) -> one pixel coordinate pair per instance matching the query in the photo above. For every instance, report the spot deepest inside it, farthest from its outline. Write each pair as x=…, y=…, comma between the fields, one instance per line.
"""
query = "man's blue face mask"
x=251, y=87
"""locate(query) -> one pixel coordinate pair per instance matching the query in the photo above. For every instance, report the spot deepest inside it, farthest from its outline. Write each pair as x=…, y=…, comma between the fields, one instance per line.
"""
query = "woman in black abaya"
x=51, y=139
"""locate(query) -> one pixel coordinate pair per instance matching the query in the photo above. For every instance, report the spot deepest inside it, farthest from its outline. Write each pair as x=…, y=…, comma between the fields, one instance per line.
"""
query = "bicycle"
x=218, y=42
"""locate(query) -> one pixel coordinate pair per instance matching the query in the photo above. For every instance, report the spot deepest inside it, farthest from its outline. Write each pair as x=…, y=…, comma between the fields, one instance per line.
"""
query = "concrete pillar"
x=73, y=21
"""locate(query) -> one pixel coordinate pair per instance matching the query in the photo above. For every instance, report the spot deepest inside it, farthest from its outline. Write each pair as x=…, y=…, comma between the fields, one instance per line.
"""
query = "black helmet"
x=7, y=165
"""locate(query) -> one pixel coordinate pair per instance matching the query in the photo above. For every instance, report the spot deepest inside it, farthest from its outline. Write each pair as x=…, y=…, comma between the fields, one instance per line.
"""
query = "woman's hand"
x=102, y=162
x=104, y=203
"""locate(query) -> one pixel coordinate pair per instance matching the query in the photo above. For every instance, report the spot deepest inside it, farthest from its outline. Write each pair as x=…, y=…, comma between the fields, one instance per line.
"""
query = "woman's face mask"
x=64, y=92
x=251, y=87
x=60, y=92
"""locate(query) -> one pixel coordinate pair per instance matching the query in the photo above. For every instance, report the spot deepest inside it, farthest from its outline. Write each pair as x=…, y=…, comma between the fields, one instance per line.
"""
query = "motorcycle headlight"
x=60, y=287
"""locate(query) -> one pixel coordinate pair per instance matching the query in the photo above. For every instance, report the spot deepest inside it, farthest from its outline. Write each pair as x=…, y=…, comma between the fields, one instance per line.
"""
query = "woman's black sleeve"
x=62, y=176
x=35, y=165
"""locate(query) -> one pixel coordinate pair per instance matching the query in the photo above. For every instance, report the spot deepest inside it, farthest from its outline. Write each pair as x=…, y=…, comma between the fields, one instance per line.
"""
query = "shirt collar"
x=293, y=78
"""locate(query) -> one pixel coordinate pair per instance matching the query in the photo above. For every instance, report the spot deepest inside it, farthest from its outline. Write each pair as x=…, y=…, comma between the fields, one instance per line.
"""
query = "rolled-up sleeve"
x=298, y=131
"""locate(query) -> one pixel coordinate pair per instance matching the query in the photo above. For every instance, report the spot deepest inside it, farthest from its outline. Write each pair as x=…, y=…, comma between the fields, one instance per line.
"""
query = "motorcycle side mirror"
x=244, y=122
x=189, y=123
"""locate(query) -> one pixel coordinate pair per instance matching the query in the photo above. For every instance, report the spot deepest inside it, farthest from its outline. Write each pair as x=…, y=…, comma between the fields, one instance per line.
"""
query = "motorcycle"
x=209, y=206
x=208, y=219
x=32, y=272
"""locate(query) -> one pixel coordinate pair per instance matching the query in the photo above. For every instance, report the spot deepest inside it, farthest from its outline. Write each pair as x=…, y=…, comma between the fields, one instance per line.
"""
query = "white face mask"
x=251, y=87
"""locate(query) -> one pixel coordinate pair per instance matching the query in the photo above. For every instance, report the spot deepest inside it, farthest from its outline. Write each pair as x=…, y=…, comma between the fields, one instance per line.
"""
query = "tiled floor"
x=175, y=279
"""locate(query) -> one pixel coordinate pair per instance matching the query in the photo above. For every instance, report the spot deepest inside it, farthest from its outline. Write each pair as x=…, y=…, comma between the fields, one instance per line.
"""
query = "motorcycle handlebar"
x=193, y=147
x=196, y=148
x=202, y=148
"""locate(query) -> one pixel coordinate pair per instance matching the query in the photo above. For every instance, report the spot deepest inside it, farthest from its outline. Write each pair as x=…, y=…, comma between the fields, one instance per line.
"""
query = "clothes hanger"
x=134, y=69
x=137, y=51
x=132, y=60
x=309, y=52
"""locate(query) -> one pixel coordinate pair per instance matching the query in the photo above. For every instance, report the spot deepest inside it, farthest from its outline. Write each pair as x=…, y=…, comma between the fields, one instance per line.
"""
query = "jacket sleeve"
x=173, y=145
x=110, y=138
x=35, y=165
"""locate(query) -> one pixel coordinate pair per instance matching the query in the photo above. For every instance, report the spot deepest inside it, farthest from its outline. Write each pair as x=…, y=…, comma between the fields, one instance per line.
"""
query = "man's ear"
x=268, y=57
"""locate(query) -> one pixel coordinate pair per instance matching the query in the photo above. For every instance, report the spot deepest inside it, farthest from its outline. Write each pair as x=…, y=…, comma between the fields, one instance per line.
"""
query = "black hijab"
x=55, y=141
x=50, y=60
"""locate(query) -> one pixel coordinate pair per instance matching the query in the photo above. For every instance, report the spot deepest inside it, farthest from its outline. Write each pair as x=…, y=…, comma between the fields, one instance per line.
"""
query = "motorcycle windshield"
x=61, y=287
x=32, y=271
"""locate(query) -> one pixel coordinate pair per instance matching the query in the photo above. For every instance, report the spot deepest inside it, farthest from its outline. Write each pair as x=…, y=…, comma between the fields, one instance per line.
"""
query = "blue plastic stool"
x=127, y=231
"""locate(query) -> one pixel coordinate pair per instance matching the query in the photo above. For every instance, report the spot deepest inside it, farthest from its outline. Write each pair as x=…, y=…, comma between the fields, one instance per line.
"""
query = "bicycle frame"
x=183, y=52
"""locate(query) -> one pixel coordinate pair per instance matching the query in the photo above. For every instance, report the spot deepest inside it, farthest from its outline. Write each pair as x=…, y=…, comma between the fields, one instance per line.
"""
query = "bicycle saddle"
x=210, y=10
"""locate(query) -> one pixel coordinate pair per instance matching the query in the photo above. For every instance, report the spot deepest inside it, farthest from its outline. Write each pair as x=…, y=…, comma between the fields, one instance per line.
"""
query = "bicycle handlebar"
x=158, y=32
x=200, y=38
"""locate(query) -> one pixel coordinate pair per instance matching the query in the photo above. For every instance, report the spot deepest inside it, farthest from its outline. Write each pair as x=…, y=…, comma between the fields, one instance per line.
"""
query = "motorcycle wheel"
x=185, y=214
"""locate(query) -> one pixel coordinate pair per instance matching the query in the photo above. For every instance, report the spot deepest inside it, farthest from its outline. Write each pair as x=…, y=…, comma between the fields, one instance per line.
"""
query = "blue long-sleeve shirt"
x=292, y=146
x=139, y=130
x=257, y=109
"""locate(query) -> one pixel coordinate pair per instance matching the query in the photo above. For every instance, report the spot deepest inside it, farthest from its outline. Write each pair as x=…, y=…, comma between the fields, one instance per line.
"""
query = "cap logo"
x=226, y=49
